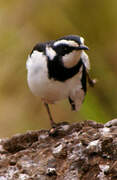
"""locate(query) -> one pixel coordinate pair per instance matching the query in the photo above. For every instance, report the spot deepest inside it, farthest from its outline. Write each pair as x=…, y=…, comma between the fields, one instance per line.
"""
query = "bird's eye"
x=65, y=48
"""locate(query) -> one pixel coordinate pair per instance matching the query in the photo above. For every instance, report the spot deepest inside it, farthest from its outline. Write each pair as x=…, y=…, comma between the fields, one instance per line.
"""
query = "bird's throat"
x=71, y=59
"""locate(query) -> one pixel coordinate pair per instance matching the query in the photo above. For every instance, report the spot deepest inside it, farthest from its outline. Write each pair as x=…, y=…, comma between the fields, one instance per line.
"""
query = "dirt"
x=79, y=151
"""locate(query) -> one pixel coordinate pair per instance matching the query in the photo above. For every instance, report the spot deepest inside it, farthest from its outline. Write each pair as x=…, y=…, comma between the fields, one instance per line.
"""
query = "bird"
x=59, y=69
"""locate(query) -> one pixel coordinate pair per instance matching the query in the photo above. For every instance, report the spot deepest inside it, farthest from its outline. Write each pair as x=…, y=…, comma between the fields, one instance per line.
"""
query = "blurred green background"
x=22, y=25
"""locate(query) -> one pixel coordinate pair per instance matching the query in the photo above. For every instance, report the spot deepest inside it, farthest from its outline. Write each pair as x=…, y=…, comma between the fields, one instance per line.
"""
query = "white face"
x=72, y=58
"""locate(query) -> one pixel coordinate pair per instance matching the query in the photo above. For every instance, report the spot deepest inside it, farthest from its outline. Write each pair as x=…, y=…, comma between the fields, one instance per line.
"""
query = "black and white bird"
x=58, y=70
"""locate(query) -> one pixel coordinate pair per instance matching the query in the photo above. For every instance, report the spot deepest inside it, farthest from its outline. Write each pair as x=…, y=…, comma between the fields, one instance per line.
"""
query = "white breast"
x=37, y=73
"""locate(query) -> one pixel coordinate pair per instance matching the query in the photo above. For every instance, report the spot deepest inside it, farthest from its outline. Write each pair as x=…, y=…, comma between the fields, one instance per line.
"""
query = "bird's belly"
x=48, y=89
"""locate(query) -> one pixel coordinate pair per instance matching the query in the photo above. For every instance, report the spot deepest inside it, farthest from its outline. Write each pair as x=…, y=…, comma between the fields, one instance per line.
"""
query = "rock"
x=84, y=150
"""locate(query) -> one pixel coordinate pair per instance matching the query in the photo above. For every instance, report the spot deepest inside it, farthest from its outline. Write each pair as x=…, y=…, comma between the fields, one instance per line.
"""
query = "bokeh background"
x=22, y=25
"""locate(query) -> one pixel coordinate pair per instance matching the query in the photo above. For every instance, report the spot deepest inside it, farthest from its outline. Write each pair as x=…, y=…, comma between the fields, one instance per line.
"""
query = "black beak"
x=82, y=47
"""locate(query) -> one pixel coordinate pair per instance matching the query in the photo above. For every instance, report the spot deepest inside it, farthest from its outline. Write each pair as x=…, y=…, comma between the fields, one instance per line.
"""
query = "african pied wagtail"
x=57, y=70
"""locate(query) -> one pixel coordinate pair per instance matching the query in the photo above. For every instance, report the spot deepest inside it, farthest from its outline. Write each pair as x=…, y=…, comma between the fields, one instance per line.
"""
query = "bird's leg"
x=53, y=124
x=90, y=81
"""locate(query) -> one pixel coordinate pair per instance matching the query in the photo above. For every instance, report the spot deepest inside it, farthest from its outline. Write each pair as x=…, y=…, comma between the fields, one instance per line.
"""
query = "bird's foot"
x=91, y=81
x=58, y=129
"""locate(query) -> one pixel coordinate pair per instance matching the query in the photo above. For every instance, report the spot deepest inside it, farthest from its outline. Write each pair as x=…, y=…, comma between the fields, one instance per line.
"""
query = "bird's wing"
x=78, y=94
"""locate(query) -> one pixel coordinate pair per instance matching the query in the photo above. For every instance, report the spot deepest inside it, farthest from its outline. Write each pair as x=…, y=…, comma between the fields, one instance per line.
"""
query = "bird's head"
x=67, y=48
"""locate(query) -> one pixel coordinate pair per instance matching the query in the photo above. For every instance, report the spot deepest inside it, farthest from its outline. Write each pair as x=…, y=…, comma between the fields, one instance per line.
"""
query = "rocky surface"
x=80, y=151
